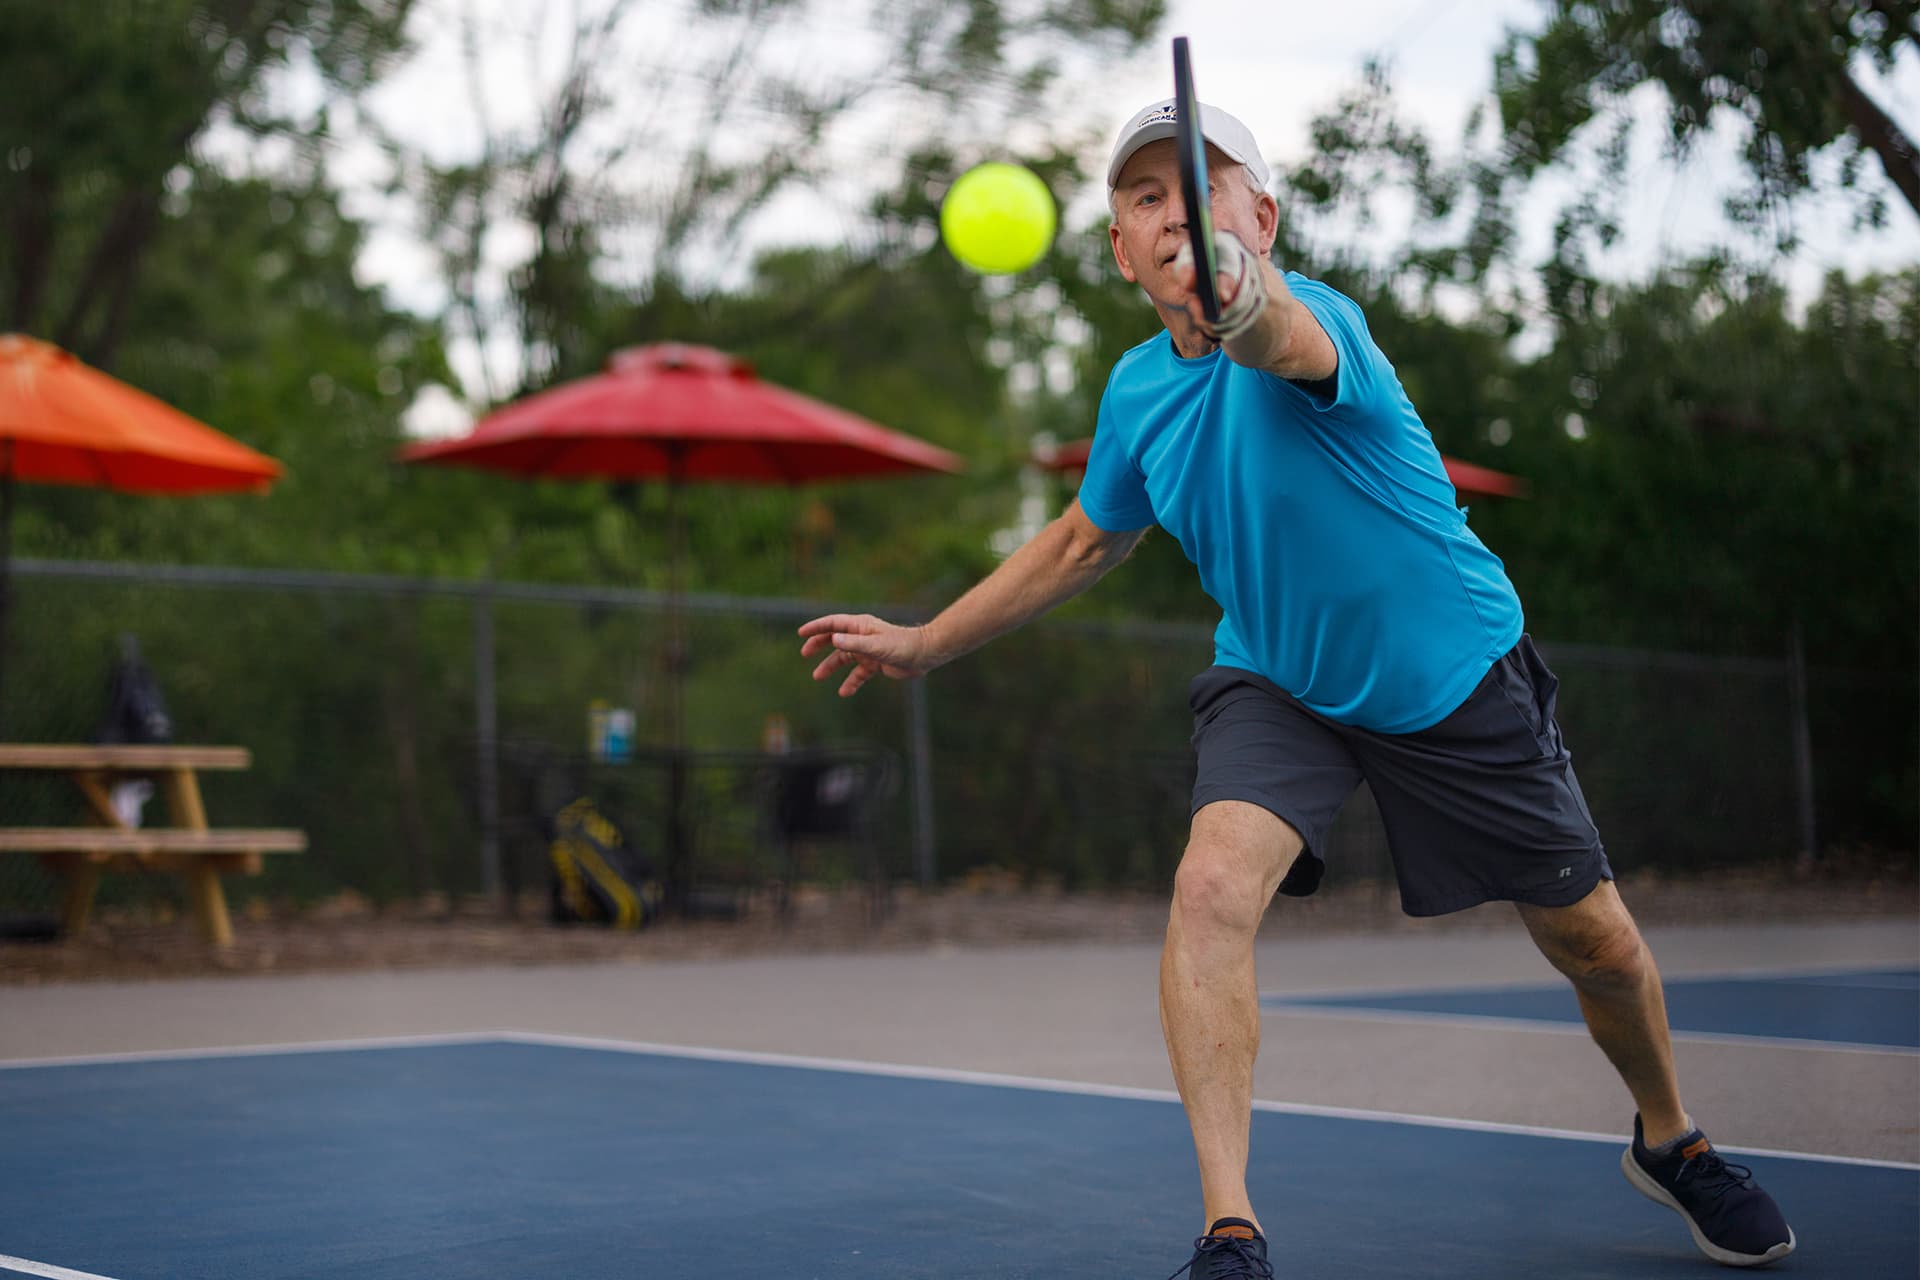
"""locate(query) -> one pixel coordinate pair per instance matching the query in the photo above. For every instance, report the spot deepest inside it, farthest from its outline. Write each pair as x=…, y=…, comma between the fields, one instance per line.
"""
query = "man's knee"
x=1231, y=867
x=1608, y=955
x=1594, y=942
x=1217, y=889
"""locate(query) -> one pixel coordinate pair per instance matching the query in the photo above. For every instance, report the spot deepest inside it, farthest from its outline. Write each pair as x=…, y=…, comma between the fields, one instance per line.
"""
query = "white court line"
x=1553, y=1027
x=46, y=1269
x=902, y=1071
x=1044, y=1085
x=256, y=1050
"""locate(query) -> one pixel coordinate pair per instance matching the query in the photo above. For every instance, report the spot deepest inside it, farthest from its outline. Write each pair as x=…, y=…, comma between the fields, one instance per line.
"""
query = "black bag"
x=136, y=713
x=823, y=797
x=597, y=877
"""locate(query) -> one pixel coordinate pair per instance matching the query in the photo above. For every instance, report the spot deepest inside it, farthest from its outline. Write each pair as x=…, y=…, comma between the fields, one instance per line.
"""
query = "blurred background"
x=1658, y=259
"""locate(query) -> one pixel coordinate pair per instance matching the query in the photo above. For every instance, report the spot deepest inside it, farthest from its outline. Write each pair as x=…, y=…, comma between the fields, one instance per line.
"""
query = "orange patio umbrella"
x=64, y=422
x=1469, y=479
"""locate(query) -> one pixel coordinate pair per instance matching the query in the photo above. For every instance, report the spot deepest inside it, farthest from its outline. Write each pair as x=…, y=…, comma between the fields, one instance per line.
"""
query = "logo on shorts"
x=1565, y=872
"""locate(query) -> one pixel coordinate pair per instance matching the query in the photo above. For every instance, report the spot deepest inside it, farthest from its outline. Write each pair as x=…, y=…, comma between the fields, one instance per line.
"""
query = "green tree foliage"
x=1782, y=71
x=105, y=104
x=1730, y=472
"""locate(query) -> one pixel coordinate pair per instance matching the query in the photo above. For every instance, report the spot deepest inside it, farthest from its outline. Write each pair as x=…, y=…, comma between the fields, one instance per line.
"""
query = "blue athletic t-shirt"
x=1326, y=530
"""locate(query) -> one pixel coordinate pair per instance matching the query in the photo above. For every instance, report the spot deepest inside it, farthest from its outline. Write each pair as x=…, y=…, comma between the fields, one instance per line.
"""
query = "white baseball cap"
x=1150, y=124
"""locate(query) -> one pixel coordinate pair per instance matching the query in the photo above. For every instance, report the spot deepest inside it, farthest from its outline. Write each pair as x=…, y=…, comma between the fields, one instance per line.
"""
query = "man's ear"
x=1266, y=214
x=1120, y=253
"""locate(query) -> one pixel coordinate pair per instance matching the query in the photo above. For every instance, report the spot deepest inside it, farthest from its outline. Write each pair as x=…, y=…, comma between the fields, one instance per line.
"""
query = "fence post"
x=486, y=747
x=920, y=736
x=1802, y=745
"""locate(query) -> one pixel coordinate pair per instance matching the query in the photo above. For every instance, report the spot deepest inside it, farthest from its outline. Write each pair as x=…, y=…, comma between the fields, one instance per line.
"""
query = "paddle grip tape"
x=1249, y=284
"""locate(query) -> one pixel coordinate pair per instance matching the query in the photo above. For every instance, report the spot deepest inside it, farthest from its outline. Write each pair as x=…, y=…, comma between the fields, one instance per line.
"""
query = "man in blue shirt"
x=1365, y=633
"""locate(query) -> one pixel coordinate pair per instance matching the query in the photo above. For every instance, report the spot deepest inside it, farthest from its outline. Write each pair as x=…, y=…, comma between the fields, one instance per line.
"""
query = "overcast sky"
x=1272, y=65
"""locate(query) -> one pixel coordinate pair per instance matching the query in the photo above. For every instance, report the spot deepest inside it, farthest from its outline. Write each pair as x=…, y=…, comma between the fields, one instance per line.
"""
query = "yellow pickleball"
x=997, y=218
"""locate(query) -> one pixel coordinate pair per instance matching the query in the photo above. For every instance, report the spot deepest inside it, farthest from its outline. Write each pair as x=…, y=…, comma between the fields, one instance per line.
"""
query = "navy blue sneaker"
x=1733, y=1221
x=1231, y=1247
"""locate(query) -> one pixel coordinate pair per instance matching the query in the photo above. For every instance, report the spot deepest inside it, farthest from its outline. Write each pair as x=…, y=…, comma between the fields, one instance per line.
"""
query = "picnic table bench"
x=190, y=848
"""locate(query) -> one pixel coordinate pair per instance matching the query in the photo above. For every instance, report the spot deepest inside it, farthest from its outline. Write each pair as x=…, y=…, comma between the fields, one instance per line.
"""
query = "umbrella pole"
x=6, y=561
x=679, y=839
x=676, y=631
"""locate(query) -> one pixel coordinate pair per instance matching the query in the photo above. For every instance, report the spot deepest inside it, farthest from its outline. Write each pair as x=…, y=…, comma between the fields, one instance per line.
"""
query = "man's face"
x=1150, y=217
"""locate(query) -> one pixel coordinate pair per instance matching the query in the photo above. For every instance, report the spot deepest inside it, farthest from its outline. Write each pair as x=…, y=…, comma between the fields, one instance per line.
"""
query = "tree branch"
x=114, y=253
x=111, y=264
x=106, y=341
x=1898, y=155
x=32, y=248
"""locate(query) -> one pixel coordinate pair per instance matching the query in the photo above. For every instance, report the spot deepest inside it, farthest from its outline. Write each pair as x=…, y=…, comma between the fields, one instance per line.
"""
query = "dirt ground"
x=348, y=932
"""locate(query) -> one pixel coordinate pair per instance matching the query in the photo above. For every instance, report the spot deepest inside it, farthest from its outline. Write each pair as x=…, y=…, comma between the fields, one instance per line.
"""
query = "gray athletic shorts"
x=1479, y=807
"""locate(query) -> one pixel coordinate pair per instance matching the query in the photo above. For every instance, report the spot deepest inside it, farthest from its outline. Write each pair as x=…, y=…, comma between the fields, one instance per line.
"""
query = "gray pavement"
x=1083, y=1013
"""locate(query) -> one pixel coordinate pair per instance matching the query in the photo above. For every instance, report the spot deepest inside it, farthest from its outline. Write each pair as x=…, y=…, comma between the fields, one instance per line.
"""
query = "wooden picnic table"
x=200, y=854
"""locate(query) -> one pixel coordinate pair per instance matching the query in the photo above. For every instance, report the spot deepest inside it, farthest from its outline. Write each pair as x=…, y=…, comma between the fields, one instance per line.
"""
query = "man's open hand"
x=865, y=646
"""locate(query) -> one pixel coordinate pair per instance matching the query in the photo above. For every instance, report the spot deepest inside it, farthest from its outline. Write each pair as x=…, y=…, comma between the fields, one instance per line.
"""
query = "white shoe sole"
x=1643, y=1183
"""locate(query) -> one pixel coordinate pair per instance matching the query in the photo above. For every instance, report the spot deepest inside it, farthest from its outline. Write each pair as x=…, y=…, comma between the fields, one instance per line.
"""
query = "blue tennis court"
x=528, y=1156
x=1877, y=1007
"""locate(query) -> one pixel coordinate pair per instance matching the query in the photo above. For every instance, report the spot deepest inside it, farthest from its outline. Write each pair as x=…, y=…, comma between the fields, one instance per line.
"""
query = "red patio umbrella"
x=64, y=422
x=682, y=413
x=677, y=412
x=1469, y=480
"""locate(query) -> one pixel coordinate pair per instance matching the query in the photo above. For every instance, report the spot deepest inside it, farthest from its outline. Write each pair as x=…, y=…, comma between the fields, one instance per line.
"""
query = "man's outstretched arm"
x=1061, y=561
x=1280, y=335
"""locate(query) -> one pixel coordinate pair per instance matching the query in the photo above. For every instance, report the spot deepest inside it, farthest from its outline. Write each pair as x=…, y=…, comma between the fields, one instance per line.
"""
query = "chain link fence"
x=422, y=733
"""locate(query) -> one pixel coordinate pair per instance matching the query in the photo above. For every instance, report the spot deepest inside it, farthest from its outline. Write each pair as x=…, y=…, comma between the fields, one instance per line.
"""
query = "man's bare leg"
x=1209, y=1004
x=1595, y=944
